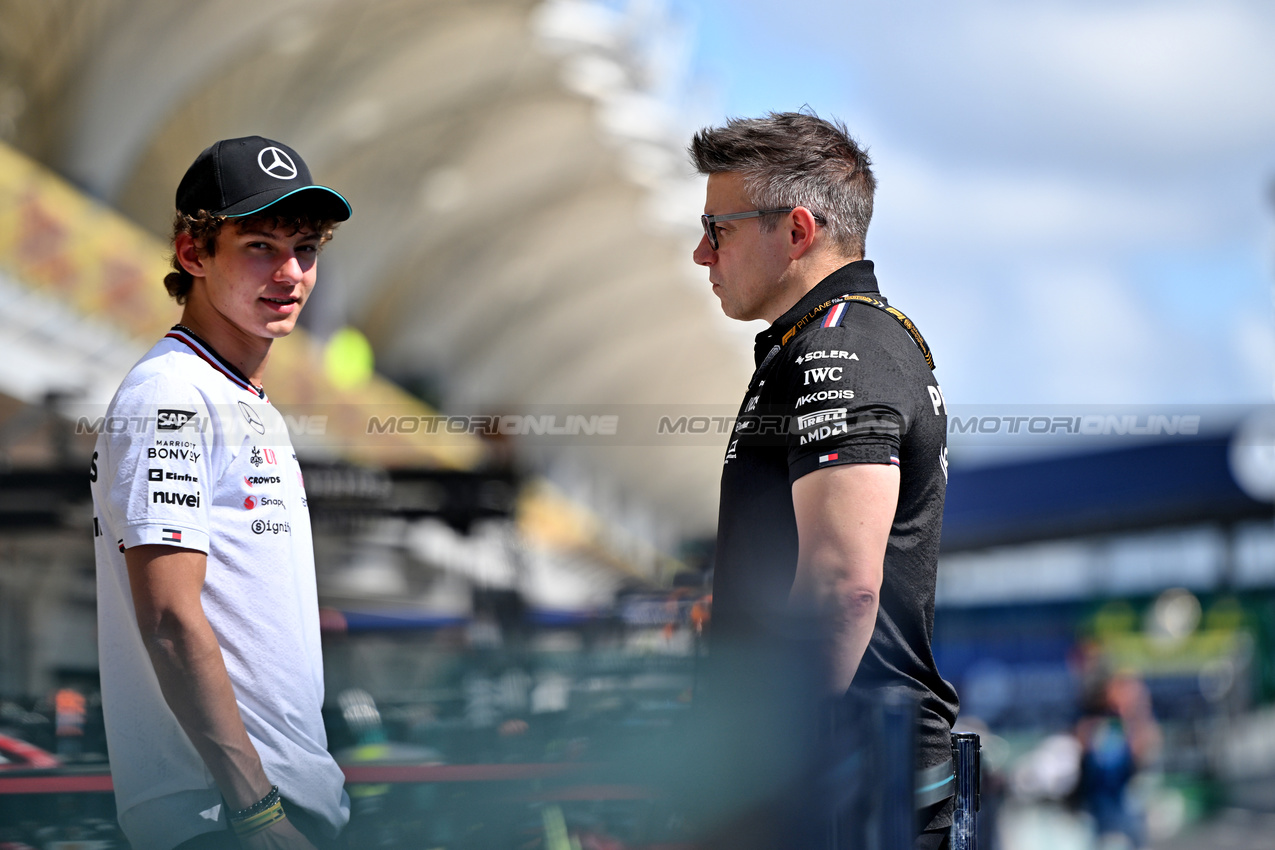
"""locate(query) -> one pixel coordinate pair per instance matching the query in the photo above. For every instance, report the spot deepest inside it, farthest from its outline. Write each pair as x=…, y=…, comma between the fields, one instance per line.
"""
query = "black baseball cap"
x=238, y=177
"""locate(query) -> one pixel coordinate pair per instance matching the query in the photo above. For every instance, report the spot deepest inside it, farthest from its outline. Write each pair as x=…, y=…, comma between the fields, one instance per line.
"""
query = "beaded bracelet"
x=259, y=815
x=264, y=803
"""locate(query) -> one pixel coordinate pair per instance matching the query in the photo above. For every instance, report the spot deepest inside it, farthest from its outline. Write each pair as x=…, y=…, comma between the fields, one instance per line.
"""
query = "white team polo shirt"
x=190, y=455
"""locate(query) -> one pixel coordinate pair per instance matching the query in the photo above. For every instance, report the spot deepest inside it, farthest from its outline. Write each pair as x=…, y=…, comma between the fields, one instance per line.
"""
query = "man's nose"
x=704, y=254
x=291, y=270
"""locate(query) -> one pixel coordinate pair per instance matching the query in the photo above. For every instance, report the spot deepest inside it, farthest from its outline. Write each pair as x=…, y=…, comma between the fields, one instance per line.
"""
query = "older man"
x=832, y=490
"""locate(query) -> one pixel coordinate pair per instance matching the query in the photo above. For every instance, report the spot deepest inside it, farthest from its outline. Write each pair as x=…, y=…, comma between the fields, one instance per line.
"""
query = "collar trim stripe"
x=212, y=359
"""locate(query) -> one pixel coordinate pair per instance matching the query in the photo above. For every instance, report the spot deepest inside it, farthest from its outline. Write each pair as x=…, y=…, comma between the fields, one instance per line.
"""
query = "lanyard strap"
x=897, y=315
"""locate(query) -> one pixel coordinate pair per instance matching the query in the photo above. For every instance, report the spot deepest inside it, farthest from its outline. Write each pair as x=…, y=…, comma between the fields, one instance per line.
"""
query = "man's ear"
x=189, y=255
x=801, y=232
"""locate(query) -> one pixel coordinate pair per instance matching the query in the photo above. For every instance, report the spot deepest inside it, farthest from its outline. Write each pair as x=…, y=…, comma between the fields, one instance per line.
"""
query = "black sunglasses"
x=710, y=221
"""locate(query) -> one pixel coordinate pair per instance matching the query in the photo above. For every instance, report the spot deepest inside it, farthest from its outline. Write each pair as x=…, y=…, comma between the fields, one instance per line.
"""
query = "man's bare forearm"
x=844, y=515
x=846, y=617
x=192, y=675
x=166, y=584
x=849, y=633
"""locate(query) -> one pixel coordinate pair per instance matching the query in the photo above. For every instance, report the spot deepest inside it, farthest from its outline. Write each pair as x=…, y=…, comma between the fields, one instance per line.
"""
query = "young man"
x=833, y=485
x=208, y=627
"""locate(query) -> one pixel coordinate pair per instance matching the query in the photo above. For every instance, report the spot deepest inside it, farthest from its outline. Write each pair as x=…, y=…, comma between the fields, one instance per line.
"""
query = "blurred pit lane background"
x=513, y=387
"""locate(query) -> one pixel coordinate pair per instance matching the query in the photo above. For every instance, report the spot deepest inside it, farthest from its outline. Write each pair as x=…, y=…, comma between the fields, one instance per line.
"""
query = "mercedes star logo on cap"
x=280, y=166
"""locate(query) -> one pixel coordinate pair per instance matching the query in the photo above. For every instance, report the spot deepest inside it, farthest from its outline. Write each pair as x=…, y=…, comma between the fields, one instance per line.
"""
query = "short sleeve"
x=844, y=394
x=156, y=448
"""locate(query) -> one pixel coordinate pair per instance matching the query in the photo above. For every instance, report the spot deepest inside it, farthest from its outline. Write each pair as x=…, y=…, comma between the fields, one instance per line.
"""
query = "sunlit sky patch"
x=1074, y=196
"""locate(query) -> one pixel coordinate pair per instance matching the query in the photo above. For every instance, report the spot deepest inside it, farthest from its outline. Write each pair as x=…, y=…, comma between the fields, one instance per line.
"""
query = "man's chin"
x=280, y=328
x=726, y=308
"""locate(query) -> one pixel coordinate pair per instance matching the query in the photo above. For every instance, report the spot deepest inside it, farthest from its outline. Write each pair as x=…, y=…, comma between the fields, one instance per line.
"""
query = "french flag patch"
x=894, y=460
x=171, y=535
x=827, y=458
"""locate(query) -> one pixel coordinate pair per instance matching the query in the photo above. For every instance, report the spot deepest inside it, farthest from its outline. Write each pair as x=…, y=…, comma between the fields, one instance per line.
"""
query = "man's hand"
x=166, y=583
x=844, y=515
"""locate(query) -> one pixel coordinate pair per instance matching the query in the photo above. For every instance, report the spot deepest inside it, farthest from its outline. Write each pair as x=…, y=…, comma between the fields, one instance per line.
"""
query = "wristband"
x=264, y=819
x=260, y=815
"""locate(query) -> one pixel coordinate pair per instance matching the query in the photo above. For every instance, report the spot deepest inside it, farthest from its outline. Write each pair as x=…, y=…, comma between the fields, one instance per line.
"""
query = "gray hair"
x=794, y=159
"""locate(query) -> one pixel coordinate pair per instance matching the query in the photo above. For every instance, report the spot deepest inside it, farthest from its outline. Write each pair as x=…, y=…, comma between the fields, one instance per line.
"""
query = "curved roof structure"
x=523, y=222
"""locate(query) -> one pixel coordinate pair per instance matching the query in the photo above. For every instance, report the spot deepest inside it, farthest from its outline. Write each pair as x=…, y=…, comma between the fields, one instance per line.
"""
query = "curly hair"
x=204, y=228
x=790, y=159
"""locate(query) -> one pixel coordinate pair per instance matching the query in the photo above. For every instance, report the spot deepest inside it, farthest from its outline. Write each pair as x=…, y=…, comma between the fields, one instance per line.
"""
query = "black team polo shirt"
x=840, y=382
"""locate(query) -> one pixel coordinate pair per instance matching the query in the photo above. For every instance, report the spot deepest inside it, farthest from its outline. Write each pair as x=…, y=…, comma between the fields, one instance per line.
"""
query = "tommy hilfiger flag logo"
x=171, y=535
x=833, y=319
x=827, y=458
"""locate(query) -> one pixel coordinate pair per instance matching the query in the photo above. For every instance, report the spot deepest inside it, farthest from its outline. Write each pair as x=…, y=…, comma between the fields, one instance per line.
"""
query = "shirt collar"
x=209, y=355
x=851, y=279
